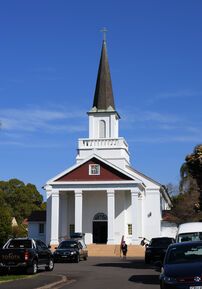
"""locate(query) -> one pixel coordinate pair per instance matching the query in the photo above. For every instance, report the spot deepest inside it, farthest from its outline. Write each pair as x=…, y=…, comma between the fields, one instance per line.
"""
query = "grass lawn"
x=6, y=278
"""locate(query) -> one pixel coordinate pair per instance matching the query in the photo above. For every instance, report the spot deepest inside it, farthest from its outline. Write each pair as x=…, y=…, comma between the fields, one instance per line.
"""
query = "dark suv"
x=27, y=254
x=71, y=250
x=156, y=249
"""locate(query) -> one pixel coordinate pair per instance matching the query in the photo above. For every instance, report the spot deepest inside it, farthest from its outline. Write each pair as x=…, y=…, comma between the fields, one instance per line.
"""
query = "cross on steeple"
x=104, y=31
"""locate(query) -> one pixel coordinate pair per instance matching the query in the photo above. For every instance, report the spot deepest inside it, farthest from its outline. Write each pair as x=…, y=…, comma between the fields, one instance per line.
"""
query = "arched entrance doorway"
x=100, y=228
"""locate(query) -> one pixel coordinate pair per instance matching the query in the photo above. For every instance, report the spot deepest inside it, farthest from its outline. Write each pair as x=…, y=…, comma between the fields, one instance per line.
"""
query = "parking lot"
x=95, y=273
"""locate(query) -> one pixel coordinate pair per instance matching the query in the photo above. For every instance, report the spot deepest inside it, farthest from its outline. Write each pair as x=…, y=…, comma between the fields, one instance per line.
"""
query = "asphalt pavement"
x=95, y=273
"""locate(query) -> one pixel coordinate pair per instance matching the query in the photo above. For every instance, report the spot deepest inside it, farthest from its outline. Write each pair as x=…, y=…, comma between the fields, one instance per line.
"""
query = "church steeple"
x=103, y=97
x=104, y=137
x=103, y=118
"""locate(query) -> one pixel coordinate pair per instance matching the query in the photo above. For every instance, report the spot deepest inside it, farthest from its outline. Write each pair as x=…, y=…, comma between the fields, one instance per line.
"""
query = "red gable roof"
x=81, y=173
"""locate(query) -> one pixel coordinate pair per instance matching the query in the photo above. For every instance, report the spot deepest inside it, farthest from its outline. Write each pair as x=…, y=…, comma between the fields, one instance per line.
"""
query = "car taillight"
x=26, y=255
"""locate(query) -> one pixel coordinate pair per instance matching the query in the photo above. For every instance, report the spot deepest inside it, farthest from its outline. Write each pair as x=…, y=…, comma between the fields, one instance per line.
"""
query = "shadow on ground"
x=133, y=264
x=145, y=279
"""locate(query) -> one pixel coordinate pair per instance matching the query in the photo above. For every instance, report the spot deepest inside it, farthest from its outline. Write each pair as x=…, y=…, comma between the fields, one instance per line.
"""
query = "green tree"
x=5, y=221
x=20, y=198
x=187, y=205
x=193, y=167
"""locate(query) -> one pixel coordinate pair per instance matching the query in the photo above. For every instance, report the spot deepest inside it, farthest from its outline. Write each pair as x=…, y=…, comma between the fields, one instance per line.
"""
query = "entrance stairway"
x=103, y=250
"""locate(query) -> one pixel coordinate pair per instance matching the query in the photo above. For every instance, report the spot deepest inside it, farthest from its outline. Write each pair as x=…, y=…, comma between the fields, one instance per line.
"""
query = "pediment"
x=93, y=170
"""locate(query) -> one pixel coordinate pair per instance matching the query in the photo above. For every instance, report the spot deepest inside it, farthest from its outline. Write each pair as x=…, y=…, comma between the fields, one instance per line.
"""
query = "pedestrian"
x=143, y=242
x=124, y=249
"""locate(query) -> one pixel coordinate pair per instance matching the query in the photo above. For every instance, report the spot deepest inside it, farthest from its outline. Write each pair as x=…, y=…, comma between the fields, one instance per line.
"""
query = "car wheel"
x=50, y=265
x=33, y=268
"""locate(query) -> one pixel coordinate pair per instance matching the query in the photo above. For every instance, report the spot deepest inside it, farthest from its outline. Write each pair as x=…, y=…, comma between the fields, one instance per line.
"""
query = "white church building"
x=102, y=195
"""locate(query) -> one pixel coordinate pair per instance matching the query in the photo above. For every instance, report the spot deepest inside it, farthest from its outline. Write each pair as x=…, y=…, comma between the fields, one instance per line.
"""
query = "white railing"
x=102, y=143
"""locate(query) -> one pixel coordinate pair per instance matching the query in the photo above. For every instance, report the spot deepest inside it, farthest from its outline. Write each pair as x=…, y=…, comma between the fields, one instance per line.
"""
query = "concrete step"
x=114, y=250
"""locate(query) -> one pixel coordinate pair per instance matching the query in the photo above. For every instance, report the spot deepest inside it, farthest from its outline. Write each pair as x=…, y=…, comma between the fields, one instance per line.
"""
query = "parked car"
x=71, y=250
x=27, y=254
x=189, y=232
x=182, y=266
x=77, y=235
x=156, y=249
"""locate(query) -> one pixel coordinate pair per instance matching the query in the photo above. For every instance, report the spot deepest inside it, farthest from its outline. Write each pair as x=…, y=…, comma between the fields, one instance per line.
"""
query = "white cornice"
x=97, y=186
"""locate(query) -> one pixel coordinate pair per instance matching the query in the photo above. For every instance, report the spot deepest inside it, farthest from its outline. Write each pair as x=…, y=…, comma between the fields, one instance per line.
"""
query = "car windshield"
x=186, y=237
x=20, y=244
x=67, y=245
x=184, y=254
x=163, y=242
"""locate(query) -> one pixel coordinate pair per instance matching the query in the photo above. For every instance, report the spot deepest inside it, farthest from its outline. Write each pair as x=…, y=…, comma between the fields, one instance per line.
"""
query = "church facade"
x=102, y=195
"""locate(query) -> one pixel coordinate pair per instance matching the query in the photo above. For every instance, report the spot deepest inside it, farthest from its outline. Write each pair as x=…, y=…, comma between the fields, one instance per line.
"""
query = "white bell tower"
x=104, y=137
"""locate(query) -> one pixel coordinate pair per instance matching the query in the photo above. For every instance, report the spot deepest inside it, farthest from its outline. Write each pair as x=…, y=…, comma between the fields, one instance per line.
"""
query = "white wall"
x=70, y=211
x=128, y=216
x=93, y=203
x=168, y=229
x=120, y=216
x=63, y=226
x=152, y=214
x=33, y=231
x=111, y=121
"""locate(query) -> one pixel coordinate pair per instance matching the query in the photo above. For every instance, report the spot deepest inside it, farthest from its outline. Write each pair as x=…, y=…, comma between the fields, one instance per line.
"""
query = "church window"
x=102, y=129
x=129, y=229
x=94, y=169
x=41, y=228
x=100, y=217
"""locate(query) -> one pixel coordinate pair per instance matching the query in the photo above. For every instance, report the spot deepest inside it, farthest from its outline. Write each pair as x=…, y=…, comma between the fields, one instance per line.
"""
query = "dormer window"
x=94, y=169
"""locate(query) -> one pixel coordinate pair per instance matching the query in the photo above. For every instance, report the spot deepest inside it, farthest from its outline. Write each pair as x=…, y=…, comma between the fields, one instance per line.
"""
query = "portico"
x=83, y=216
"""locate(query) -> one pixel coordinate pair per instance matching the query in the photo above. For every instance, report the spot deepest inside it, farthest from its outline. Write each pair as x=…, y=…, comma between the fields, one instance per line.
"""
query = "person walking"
x=124, y=249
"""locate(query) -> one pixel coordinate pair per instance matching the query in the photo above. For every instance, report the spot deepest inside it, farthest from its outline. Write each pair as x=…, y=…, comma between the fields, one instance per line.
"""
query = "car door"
x=84, y=249
x=43, y=252
x=80, y=249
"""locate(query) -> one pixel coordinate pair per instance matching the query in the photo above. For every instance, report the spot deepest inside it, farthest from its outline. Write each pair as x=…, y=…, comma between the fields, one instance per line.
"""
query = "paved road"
x=95, y=273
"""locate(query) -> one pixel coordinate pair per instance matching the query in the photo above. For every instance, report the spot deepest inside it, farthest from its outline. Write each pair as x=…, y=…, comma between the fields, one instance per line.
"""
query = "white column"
x=110, y=212
x=48, y=213
x=54, y=217
x=135, y=221
x=78, y=210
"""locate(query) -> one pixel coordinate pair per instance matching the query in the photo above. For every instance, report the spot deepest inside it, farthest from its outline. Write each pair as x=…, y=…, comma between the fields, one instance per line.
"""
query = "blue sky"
x=49, y=58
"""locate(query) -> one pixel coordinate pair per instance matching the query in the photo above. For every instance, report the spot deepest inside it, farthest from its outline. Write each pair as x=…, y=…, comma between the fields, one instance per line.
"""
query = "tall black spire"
x=103, y=97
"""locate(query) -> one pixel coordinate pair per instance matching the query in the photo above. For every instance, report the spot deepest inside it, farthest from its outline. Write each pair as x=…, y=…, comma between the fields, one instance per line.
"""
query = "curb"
x=54, y=285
